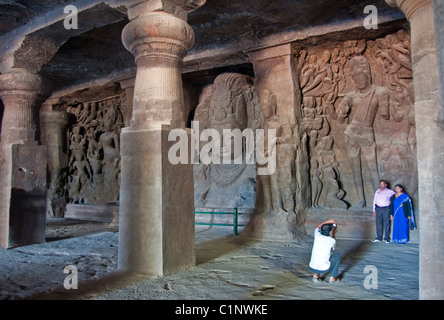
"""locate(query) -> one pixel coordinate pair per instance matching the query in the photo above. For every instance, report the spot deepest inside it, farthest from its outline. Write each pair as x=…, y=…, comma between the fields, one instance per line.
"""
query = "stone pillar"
x=430, y=145
x=156, y=218
x=54, y=135
x=276, y=73
x=22, y=94
x=438, y=9
x=22, y=160
x=128, y=85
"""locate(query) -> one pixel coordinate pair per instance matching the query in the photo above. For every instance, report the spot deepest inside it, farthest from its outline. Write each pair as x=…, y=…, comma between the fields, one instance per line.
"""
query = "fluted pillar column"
x=22, y=159
x=156, y=218
x=128, y=86
x=430, y=145
x=54, y=136
x=22, y=94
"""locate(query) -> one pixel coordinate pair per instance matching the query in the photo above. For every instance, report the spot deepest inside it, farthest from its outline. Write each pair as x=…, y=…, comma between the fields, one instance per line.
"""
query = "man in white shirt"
x=322, y=261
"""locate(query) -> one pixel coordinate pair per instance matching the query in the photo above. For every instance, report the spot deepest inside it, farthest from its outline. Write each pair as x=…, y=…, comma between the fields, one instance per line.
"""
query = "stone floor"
x=227, y=267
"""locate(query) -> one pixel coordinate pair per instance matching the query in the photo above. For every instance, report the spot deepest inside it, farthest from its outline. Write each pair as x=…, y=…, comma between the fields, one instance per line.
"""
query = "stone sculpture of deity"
x=361, y=107
x=230, y=106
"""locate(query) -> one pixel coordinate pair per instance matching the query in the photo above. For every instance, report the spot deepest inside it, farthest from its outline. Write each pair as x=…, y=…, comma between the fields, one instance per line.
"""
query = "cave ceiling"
x=95, y=50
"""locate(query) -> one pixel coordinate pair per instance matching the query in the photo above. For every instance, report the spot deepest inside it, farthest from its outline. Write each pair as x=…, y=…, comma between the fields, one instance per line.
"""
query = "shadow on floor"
x=91, y=288
x=212, y=249
x=354, y=253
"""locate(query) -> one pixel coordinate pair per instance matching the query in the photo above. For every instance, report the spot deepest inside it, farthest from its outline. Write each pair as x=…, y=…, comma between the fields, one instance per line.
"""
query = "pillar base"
x=23, y=194
x=156, y=216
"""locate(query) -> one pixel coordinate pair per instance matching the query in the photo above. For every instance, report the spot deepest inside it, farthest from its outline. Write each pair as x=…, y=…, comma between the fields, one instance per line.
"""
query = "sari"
x=402, y=208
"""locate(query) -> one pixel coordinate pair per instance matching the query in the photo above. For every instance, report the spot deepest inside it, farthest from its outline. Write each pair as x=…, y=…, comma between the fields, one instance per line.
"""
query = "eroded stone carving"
x=282, y=183
x=358, y=115
x=360, y=141
x=94, y=162
x=320, y=83
x=230, y=103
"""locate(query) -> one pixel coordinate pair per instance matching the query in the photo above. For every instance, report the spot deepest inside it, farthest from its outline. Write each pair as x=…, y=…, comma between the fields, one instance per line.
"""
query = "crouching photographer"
x=322, y=260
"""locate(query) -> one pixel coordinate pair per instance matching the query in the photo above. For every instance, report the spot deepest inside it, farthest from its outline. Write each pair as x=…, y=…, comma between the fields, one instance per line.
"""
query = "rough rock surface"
x=233, y=267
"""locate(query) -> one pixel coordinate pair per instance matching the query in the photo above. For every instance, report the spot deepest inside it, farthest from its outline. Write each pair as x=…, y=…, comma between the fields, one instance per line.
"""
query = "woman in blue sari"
x=402, y=215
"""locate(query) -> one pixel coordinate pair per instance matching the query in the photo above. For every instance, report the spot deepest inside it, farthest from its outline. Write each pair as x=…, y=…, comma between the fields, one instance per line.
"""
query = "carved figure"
x=358, y=94
x=360, y=107
x=94, y=164
x=229, y=104
x=329, y=175
x=282, y=182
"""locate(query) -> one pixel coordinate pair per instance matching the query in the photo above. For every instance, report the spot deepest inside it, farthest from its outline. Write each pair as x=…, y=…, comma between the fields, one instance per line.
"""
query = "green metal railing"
x=235, y=224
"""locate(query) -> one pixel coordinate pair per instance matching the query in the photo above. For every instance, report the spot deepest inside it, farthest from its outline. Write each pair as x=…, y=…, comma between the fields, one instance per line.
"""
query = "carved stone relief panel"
x=94, y=151
x=280, y=186
x=228, y=103
x=358, y=114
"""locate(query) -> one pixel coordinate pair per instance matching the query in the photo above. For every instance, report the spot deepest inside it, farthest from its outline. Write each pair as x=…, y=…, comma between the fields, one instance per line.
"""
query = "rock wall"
x=358, y=114
x=356, y=126
x=94, y=151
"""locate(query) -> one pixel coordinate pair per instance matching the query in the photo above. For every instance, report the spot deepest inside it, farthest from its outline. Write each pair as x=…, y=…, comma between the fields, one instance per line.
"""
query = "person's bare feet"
x=332, y=279
x=316, y=277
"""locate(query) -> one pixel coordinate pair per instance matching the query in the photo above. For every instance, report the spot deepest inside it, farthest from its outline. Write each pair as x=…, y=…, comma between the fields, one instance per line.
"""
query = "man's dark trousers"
x=382, y=223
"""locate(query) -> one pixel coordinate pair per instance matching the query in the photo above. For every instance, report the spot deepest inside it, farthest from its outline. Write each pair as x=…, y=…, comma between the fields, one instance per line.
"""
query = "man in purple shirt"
x=381, y=211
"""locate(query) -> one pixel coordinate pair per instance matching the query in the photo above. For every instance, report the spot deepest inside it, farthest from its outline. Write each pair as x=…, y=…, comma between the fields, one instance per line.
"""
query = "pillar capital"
x=409, y=7
x=178, y=8
x=159, y=29
x=21, y=81
x=60, y=118
x=271, y=52
x=158, y=35
x=22, y=93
